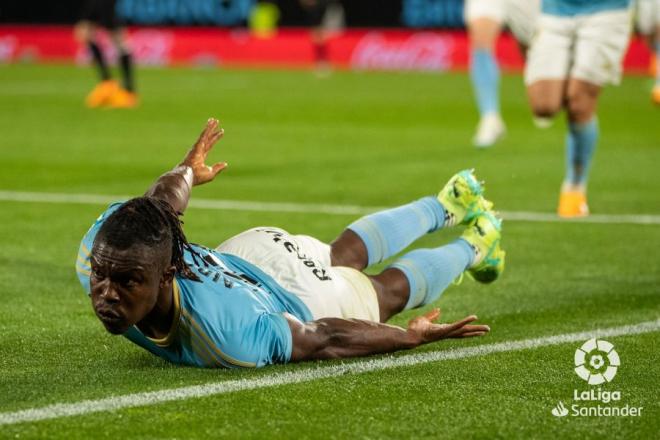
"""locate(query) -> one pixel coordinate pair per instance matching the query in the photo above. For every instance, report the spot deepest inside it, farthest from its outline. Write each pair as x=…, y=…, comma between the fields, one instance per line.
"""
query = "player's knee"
x=349, y=250
x=347, y=257
x=83, y=33
x=119, y=40
x=545, y=108
x=579, y=107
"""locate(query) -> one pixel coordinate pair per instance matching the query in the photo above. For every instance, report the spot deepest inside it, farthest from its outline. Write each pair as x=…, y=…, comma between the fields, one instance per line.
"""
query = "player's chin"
x=115, y=326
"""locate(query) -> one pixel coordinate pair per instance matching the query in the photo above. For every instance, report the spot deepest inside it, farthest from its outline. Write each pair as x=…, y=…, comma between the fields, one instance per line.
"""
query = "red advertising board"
x=368, y=49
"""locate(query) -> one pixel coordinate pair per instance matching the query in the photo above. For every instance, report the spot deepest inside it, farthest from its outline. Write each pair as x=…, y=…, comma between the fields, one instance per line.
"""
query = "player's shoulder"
x=218, y=301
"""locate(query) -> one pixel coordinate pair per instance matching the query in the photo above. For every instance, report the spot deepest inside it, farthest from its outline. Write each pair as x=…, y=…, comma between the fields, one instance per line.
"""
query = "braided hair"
x=151, y=222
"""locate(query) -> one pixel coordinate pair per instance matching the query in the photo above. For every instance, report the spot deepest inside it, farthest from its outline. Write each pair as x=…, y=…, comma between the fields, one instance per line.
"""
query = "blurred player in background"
x=648, y=24
x=578, y=49
x=317, y=12
x=485, y=20
x=102, y=13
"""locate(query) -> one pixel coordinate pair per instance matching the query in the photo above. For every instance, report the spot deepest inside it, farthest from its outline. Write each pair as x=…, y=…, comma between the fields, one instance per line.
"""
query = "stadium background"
x=424, y=35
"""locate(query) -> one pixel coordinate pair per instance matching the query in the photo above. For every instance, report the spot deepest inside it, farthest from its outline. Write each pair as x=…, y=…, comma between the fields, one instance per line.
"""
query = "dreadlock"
x=151, y=222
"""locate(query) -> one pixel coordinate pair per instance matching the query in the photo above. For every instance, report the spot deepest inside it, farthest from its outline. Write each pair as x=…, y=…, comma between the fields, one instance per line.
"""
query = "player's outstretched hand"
x=427, y=330
x=196, y=157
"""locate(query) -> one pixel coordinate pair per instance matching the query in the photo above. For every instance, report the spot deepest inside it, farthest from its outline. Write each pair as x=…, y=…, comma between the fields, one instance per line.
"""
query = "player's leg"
x=419, y=277
x=548, y=62
x=376, y=237
x=546, y=99
x=484, y=22
x=315, y=11
x=85, y=33
x=126, y=97
x=600, y=45
x=581, y=140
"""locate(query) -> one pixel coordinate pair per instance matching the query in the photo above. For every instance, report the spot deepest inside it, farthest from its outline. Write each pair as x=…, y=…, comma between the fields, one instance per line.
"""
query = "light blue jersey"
x=569, y=8
x=232, y=318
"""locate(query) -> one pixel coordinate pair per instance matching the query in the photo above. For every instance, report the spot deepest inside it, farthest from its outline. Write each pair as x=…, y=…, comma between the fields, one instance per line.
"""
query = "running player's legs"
x=587, y=51
x=86, y=33
x=548, y=63
x=102, y=13
x=484, y=20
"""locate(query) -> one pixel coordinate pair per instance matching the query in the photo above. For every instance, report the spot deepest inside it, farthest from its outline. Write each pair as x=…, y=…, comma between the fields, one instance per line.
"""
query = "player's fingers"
x=471, y=334
x=469, y=329
x=211, y=125
x=461, y=323
x=477, y=327
x=216, y=168
x=214, y=138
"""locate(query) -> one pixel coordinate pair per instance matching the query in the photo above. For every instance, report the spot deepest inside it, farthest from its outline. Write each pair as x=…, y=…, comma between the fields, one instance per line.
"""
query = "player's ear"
x=167, y=276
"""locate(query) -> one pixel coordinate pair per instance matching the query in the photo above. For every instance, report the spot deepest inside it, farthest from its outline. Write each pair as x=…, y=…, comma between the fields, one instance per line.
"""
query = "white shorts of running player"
x=647, y=16
x=589, y=47
x=518, y=15
x=301, y=264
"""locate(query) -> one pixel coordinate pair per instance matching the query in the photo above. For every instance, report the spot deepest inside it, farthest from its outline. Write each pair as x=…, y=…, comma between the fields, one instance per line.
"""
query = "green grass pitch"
x=371, y=139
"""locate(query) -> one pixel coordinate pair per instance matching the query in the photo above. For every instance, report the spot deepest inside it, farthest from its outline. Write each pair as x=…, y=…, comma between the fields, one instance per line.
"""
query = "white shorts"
x=301, y=264
x=518, y=15
x=587, y=47
x=647, y=16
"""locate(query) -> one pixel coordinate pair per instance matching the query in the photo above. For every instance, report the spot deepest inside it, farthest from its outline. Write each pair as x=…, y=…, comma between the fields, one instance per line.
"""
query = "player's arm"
x=332, y=338
x=175, y=186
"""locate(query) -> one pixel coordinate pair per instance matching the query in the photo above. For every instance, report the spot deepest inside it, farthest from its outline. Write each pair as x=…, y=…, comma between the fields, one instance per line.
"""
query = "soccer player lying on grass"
x=266, y=296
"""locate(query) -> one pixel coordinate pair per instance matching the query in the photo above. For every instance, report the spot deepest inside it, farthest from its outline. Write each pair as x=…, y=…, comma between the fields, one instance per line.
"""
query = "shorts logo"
x=596, y=361
x=294, y=249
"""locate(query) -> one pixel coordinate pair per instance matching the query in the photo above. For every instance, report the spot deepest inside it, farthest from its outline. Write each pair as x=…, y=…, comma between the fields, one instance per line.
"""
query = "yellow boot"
x=572, y=204
x=123, y=99
x=101, y=94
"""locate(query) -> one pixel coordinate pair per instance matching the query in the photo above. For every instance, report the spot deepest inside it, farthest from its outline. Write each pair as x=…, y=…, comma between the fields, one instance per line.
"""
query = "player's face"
x=124, y=285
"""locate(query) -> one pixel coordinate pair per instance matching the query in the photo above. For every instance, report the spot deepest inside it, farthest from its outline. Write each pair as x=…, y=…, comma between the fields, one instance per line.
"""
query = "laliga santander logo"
x=596, y=361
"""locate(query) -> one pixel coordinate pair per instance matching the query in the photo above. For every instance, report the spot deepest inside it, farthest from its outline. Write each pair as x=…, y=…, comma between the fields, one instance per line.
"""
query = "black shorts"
x=103, y=13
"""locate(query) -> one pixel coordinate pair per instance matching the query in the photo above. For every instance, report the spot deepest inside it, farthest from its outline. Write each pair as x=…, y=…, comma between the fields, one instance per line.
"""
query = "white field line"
x=154, y=397
x=312, y=208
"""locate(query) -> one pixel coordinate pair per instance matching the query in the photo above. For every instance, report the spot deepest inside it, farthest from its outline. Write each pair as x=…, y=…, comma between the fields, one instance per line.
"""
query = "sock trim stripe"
x=416, y=281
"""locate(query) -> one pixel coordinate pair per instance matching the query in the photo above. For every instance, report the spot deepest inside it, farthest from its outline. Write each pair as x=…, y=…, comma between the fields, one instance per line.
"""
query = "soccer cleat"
x=655, y=94
x=484, y=235
x=572, y=204
x=123, y=99
x=490, y=129
x=101, y=94
x=462, y=198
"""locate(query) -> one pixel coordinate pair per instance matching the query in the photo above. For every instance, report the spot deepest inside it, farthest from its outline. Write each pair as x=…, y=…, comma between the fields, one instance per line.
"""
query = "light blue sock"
x=429, y=271
x=388, y=232
x=485, y=74
x=580, y=146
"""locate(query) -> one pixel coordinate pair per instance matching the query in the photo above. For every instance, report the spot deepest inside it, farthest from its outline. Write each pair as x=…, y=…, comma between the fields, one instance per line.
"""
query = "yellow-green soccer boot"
x=484, y=235
x=462, y=198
